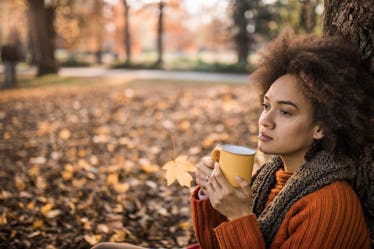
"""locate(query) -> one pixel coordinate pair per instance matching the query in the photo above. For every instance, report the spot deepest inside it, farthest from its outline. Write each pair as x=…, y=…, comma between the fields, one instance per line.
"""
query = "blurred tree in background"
x=127, y=32
x=167, y=32
x=42, y=36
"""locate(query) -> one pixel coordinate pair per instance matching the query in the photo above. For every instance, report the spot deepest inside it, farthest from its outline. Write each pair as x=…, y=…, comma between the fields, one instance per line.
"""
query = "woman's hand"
x=229, y=201
x=203, y=171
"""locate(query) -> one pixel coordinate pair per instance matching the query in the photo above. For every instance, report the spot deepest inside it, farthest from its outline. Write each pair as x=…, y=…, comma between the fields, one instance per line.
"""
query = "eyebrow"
x=284, y=102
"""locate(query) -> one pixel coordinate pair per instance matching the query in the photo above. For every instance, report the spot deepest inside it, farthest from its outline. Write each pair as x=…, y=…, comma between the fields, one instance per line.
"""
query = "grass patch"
x=187, y=65
x=71, y=62
x=29, y=81
x=47, y=81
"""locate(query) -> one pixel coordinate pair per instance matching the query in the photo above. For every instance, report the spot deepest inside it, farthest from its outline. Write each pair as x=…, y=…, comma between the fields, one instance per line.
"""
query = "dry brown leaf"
x=38, y=224
x=121, y=187
x=20, y=183
x=119, y=236
x=46, y=208
x=112, y=179
x=92, y=239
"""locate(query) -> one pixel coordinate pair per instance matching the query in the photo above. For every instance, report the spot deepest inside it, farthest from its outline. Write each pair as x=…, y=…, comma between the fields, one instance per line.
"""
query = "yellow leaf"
x=119, y=236
x=46, y=208
x=68, y=172
x=121, y=187
x=64, y=134
x=38, y=224
x=112, y=179
x=92, y=239
x=178, y=170
x=3, y=219
x=7, y=136
x=20, y=183
x=31, y=205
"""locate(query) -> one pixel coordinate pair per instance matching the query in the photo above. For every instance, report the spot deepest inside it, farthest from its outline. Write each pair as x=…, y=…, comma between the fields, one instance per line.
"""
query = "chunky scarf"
x=318, y=172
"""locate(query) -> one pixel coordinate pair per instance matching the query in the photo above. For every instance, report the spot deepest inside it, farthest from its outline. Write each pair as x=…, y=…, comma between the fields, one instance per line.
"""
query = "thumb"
x=244, y=185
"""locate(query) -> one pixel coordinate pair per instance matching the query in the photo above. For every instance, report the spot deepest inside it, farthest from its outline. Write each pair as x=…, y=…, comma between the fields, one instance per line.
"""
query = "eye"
x=285, y=113
x=265, y=106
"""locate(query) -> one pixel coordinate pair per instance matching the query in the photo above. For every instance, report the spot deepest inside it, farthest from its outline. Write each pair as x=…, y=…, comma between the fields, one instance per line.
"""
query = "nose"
x=267, y=120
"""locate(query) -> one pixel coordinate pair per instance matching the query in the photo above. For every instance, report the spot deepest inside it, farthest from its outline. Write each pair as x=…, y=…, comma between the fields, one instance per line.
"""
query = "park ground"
x=81, y=156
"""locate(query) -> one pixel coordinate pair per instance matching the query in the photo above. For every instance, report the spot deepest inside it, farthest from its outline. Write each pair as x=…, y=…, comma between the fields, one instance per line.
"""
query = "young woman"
x=317, y=120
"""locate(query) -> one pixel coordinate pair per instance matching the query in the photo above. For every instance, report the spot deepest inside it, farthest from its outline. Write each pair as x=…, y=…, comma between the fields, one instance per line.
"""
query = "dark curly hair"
x=340, y=89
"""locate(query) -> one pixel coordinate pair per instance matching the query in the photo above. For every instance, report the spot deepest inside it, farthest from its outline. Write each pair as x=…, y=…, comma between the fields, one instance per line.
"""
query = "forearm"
x=240, y=233
x=205, y=219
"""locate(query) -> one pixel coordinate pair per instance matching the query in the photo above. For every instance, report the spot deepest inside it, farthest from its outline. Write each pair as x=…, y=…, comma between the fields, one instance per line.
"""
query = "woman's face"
x=286, y=124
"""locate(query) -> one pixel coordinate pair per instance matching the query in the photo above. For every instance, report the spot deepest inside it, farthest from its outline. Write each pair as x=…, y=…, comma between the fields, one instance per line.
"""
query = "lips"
x=264, y=137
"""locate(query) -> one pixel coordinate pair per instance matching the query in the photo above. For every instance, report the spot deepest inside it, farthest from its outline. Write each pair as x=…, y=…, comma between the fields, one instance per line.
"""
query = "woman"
x=318, y=123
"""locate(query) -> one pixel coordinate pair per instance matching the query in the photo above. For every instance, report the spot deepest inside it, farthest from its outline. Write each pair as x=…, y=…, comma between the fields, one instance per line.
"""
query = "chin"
x=266, y=150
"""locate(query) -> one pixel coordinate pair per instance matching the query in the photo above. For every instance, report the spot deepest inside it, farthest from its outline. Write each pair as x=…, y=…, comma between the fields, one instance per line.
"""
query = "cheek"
x=300, y=131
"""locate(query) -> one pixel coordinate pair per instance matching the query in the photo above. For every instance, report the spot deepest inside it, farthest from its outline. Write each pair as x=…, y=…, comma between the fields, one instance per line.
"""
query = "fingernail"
x=238, y=179
x=216, y=165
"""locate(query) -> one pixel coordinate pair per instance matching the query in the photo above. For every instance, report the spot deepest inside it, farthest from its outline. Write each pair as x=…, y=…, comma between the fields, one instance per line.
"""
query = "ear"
x=318, y=133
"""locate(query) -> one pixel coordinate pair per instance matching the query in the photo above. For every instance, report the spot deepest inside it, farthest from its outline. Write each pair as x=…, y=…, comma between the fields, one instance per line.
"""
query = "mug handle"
x=216, y=154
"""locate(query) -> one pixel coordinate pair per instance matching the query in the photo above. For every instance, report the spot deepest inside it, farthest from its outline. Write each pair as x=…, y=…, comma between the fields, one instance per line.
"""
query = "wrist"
x=241, y=214
x=201, y=195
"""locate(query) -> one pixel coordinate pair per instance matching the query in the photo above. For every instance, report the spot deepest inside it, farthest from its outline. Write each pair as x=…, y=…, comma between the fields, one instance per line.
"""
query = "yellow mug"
x=235, y=160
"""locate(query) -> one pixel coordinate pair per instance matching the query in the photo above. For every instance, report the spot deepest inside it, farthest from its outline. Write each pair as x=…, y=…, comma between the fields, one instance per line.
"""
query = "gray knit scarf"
x=318, y=172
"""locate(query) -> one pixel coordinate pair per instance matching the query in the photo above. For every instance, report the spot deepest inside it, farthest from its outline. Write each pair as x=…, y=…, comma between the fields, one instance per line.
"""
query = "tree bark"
x=308, y=16
x=241, y=36
x=353, y=20
x=43, y=34
x=160, y=33
x=99, y=30
x=127, y=32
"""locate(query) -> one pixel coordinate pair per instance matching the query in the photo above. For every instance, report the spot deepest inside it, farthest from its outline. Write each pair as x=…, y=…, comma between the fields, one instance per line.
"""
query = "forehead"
x=286, y=87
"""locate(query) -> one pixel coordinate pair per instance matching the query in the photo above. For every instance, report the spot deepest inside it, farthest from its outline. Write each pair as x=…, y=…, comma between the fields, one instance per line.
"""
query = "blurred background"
x=81, y=155
x=208, y=35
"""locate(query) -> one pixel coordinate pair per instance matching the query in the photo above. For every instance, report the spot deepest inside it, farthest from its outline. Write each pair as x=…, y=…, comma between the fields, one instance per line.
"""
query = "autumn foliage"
x=81, y=165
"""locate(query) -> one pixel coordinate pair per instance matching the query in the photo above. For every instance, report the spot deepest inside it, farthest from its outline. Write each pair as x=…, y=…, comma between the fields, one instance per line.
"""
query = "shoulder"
x=339, y=191
x=336, y=204
x=337, y=195
x=330, y=217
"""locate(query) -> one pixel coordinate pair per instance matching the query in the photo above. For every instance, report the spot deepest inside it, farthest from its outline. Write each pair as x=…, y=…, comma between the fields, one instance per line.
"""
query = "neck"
x=291, y=164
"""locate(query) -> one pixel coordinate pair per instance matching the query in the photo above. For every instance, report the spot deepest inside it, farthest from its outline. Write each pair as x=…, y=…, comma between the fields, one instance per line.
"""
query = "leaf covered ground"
x=80, y=165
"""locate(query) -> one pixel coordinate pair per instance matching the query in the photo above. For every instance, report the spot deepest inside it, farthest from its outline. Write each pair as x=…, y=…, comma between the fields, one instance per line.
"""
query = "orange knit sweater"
x=331, y=217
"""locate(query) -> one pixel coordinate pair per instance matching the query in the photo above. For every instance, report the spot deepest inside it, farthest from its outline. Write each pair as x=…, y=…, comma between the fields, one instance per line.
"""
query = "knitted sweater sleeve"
x=328, y=218
x=205, y=219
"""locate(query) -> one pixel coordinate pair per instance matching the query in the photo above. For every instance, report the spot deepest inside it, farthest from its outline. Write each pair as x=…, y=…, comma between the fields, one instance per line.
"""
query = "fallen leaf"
x=178, y=170
x=121, y=187
x=92, y=239
x=38, y=224
x=46, y=208
x=65, y=134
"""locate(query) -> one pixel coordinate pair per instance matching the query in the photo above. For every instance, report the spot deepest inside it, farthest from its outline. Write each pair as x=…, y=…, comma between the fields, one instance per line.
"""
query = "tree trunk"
x=160, y=33
x=241, y=36
x=127, y=32
x=308, y=16
x=99, y=30
x=353, y=20
x=42, y=25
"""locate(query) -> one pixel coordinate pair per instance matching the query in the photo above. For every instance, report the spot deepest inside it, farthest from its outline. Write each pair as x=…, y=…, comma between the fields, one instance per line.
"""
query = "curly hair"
x=340, y=89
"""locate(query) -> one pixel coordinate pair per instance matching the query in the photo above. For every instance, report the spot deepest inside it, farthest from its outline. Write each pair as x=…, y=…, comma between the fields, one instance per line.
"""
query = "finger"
x=244, y=185
x=202, y=170
x=208, y=161
x=219, y=177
